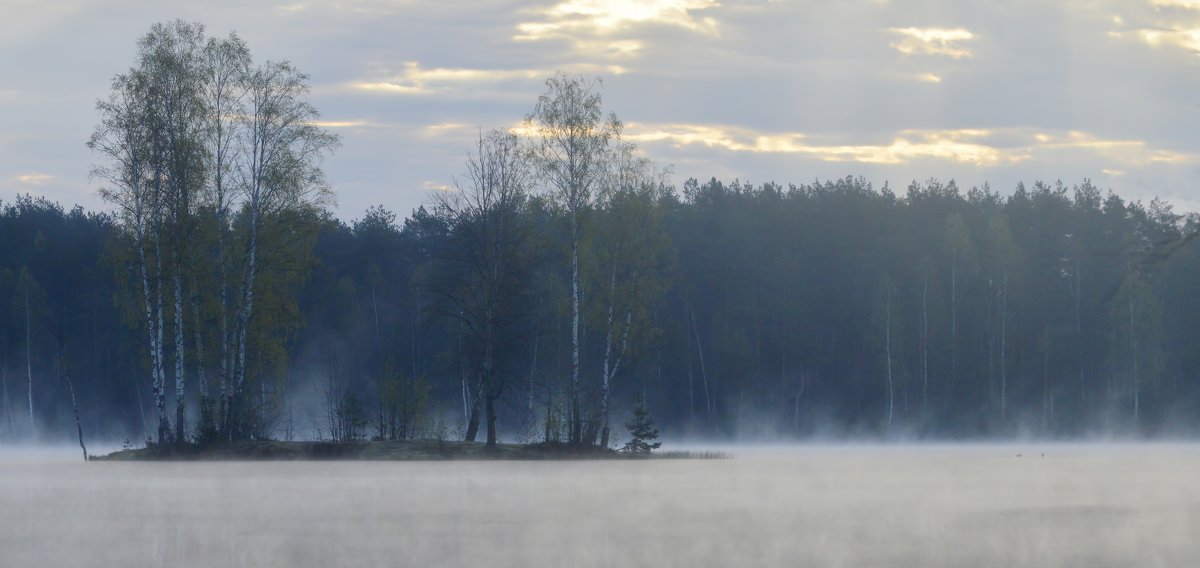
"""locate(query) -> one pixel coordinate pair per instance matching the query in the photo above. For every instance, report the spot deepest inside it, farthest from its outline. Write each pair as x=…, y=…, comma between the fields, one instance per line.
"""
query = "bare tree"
x=573, y=138
x=486, y=289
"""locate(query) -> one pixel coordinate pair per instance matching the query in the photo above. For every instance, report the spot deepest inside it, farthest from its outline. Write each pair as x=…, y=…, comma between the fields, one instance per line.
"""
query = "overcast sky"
x=761, y=90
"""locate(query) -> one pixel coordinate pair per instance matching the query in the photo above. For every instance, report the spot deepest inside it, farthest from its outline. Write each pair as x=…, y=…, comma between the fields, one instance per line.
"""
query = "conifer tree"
x=642, y=429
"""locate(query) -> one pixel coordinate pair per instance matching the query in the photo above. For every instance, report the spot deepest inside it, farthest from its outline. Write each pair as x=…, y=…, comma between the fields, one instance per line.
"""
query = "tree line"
x=562, y=282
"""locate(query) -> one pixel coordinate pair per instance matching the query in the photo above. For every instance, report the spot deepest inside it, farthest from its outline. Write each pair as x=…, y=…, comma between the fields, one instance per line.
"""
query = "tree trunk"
x=891, y=392
x=205, y=402
x=1004, y=347
x=75, y=407
x=608, y=369
x=473, y=420
x=703, y=373
x=576, y=419
x=1133, y=346
x=491, y=420
x=243, y=317
x=1079, y=338
x=925, y=351
x=180, y=379
x=223, y=375
x=29, y=364
x=953, y=319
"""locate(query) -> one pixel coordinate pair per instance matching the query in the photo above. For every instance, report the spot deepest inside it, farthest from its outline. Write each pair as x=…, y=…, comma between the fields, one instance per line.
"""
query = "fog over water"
x=950, y=505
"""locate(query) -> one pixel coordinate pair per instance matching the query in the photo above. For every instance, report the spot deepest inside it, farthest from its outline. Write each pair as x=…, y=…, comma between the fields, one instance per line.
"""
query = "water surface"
x=1086, y=505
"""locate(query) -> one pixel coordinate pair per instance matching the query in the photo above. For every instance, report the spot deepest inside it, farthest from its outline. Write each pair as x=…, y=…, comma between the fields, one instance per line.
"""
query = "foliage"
x=641, y=431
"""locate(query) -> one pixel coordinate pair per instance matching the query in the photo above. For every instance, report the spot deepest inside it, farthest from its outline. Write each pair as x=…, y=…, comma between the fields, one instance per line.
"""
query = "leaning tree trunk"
x=75, y=407
x=473, y=418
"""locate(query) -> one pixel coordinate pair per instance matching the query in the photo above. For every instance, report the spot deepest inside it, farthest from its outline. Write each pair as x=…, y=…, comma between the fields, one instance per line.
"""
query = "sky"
x=757, y=90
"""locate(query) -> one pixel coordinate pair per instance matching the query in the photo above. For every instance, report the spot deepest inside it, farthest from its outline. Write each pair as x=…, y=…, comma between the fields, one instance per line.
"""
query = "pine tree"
x=642, y=429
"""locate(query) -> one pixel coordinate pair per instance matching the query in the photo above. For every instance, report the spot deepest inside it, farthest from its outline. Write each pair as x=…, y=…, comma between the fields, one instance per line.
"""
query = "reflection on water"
x=819, y=506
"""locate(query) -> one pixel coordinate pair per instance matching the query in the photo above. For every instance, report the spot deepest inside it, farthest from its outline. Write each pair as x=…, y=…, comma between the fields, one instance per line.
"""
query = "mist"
x=849, y=505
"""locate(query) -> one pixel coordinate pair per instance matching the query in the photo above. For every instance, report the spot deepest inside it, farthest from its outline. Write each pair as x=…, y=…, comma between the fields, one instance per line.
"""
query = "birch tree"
x=279, y=149
x=125, y=138
x=172, y=61
x=226, y=65
x=486, y=289
x=631, y=258
x=573, y=136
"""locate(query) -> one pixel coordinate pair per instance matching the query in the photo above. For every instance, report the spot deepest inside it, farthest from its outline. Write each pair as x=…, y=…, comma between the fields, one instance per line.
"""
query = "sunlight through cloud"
x=978, y=147
x=579, y=20
x=933, y=41
x=416, y=80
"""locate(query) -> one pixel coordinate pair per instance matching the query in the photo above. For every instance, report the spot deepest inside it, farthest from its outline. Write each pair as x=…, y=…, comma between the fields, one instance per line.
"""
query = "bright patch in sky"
x=933, y=41
x=34, y=179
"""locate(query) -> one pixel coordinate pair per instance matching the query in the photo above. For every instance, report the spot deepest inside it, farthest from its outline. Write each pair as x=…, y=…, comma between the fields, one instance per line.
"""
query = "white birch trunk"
x=888, y=348
x=1004, y=347
x=180, y=379
x=608, y=350
x=576, y=419
x=201, y=377
x=925, y=349
x=953, y=316
x=164, y=424
x=1133, y=345
x=708, y=404
x=29, y=364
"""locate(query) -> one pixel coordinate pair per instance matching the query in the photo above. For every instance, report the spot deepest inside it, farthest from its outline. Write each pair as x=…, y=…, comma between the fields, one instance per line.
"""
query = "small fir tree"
x=642, y=429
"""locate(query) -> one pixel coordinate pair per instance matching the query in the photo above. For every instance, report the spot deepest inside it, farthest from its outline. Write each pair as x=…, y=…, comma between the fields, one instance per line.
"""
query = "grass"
x=389, y=450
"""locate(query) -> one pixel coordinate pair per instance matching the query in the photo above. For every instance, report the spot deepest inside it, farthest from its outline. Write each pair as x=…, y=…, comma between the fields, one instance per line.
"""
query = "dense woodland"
x=562, y=281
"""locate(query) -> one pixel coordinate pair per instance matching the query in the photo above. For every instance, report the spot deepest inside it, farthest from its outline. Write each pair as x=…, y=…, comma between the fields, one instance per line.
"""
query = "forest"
x=560, y=283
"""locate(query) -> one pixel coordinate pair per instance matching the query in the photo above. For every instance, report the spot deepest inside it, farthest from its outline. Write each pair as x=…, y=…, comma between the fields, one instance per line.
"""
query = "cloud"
x=961, y=146
x=416, y=80
x=1172, y=24
x=1188, y=39
x=1184, y=4
x=977, y=147
x=929, y=78
x=344, y=123
x=932, y=41
x=33, y=179
x=591, y=24
x=1129, y=152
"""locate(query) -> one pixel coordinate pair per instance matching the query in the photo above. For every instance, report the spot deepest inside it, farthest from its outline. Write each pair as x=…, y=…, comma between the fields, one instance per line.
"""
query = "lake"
x=939, y=505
